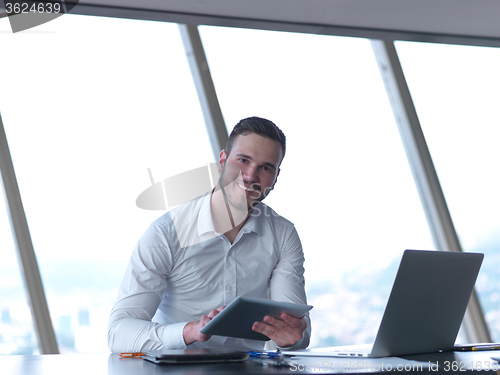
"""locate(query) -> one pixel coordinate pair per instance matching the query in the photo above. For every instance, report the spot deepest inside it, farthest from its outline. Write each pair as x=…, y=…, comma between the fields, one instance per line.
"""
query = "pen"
x=131, y=355
x=485, y=347
x=265, y=354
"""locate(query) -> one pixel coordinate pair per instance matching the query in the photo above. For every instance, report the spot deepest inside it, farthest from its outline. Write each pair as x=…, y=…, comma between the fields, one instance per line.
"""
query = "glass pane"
x=345, y=181
x=455, y=90
x=106, y=100
x=17, y=334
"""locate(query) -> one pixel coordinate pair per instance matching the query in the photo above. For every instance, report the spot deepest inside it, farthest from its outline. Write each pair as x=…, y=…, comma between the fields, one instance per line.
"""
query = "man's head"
x=249, y=166
x=259, y=126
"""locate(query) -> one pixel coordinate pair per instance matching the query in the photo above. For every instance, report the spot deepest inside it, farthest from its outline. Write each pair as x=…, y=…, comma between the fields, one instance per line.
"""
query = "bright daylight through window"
x=109, y=104
x=460, y=120
x=17, y=335
x=345, y=181
x=111, y=98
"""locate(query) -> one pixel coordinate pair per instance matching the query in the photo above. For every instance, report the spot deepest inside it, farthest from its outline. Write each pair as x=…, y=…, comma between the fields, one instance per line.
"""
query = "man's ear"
x=222, y=160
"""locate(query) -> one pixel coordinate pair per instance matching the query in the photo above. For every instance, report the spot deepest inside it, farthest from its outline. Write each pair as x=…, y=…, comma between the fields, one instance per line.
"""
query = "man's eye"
x=242, y=160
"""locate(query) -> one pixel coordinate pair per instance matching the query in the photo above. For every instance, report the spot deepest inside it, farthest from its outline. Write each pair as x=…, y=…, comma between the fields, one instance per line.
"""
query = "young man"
x=200, y=256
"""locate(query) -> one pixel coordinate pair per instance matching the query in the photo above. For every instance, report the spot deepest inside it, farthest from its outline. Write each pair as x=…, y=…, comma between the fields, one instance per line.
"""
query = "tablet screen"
x=237, y=319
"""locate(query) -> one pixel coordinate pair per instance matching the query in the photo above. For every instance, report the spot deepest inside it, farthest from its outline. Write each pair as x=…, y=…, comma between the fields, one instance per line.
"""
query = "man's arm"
x=130, y=328
x=287, y=285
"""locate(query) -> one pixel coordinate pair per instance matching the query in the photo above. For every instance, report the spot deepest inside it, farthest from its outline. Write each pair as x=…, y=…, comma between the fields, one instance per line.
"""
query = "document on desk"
x=315, y=360
x=355, y=364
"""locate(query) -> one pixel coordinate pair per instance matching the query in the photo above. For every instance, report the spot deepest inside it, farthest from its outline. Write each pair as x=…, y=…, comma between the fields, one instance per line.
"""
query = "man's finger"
x=292, y=321
x=279, y=324
x=265, y=329
x=283, y=333
x=204, y=320
x=212, y=314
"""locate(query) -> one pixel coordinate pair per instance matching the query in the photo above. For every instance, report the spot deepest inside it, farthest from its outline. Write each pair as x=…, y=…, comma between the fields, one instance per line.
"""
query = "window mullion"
x=26, y=253
x=424, y=173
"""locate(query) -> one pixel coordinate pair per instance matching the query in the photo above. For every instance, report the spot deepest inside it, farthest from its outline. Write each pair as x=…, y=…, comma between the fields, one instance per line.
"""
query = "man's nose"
x=250, y=173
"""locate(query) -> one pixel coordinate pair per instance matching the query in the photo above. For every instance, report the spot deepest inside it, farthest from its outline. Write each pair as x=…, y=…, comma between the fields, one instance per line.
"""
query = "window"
x=17, y=335
x=91, y=104
x=455, y=90
x=345, y=181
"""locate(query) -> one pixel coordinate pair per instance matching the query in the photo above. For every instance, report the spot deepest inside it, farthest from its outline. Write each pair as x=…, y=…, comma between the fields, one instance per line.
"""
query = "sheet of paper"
x=366, y=365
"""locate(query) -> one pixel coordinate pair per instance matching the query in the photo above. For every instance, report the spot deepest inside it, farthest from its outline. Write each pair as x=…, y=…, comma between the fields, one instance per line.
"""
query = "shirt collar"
x=253, y=224
x=205, y=222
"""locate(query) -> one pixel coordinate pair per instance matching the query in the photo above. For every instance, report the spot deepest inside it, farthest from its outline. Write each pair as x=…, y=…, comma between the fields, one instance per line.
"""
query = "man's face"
x=249, y=172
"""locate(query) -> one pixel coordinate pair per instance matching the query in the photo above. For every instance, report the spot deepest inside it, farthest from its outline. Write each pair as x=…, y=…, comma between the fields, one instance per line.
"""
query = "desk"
x=112, y=364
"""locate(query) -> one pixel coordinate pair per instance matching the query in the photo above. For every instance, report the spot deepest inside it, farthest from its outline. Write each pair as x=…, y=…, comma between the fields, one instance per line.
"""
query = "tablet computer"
x=237, y=319
x=179, y=356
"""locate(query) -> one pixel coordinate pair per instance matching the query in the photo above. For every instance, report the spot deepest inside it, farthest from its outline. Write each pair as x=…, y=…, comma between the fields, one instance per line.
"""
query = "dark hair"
x=260, y=126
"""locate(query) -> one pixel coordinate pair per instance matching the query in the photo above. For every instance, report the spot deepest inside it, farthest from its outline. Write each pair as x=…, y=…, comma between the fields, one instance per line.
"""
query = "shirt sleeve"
x=130, y=328
x=287, y=280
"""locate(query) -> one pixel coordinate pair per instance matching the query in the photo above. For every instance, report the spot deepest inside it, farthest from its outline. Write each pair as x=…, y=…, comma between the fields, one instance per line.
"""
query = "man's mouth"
x=246, y=188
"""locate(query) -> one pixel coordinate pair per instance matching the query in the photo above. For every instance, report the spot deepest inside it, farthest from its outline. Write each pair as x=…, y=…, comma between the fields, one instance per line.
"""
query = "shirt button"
x=229, y=287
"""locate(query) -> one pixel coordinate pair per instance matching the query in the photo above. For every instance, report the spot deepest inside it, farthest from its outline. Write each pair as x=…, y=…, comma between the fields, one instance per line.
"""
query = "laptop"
x=425, y=308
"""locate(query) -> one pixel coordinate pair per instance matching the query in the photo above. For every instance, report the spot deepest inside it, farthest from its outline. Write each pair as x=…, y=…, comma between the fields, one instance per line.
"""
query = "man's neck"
x=227, y=219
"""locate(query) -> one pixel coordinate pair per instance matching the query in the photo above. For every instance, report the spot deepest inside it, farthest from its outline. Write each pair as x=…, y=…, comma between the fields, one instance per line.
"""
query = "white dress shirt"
x=167, y=285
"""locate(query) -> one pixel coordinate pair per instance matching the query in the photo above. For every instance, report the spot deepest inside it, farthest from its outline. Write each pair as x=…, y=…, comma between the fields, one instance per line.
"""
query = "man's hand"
x=191, y=332
x=285, y=332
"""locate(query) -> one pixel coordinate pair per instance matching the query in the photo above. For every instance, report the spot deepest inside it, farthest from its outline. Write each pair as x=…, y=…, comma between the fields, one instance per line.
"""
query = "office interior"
x=389, y=108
